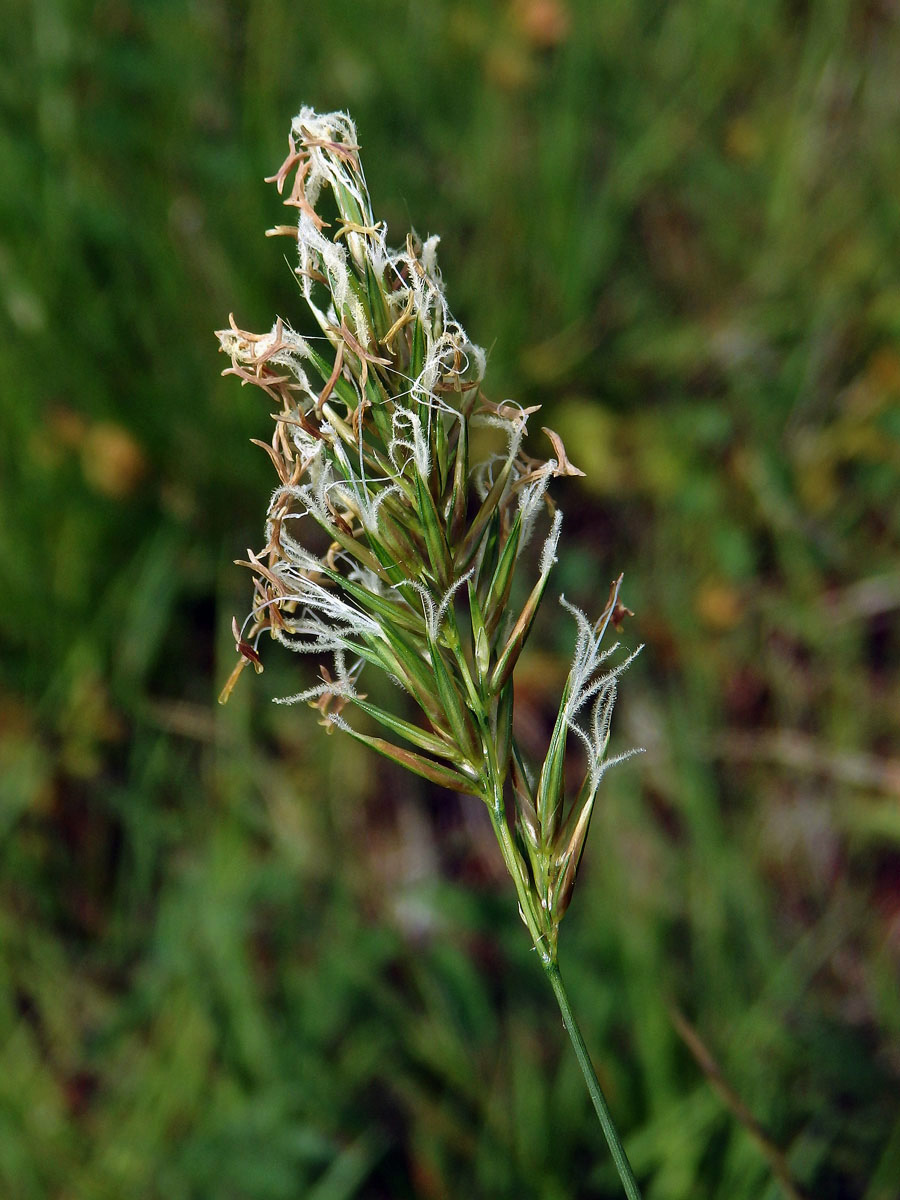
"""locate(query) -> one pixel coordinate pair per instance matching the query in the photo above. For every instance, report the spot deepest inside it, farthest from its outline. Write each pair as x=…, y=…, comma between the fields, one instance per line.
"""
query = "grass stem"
x=620, y=1158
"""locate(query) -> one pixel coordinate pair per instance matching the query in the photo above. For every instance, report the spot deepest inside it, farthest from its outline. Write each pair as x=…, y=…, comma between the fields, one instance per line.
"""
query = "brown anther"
x=509, y=412
x=354, y=227
x=277, y=459
x=246, y=376
x=328, y=702
x=283, y=443
x=345, y=150
x=298, y=417
x=528, y=470
x=563, y=465
x=457, y=385
x=247, y=651
x=311, y=273
x=340, y=521
x=243, y=333
x=244, y=649
x=413, y=257
x=359, y=413
x=294, y=157
x=405, y=317
x=277, y=345
x=619, y=613
x=331, y=380
x=365, y=356
x=274, y=544
x=297, y=198
x=614, y=610
x=256, y=565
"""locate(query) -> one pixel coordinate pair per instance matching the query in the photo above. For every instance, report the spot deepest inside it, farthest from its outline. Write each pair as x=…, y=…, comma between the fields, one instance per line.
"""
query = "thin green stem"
x=620, y=1158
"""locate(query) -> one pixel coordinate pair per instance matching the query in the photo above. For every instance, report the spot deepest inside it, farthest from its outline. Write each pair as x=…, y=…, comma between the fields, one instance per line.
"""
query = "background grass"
x=242, y=960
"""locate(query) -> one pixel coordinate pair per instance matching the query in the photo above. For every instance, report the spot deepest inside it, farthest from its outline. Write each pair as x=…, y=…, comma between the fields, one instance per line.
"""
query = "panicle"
x=384, y=545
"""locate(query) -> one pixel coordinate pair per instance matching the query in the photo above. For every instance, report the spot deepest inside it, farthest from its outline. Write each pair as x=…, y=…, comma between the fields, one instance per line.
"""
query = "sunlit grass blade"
x=425, y=767
x=501, y=581
x=459, y=497
x=381, y=319
x=551, y=784
x=509, y=655
x=435, y=542
x=411, y=733
x=472, y=542
x=452, y=704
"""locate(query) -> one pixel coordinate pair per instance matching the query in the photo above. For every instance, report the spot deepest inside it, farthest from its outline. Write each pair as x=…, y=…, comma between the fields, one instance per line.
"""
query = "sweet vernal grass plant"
x=387, y=548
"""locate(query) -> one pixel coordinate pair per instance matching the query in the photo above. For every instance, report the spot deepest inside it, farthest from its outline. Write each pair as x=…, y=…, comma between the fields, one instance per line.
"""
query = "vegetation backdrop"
x=243, y=960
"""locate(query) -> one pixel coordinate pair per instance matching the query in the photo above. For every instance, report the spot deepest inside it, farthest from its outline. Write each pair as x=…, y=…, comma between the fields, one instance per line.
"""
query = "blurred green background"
x=242, y=960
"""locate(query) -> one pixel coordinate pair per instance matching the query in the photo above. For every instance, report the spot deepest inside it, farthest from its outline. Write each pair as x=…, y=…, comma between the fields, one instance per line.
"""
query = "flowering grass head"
x=386, y=548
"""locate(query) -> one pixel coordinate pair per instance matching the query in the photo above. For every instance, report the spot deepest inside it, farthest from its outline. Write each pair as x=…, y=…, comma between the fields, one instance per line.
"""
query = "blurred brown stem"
x=732, y=1101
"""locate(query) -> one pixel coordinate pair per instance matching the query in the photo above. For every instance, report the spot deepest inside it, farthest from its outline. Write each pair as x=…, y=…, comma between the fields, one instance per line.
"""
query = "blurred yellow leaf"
x=743, y=140
x=718, y=605
x=112, y=460
x=543, y=23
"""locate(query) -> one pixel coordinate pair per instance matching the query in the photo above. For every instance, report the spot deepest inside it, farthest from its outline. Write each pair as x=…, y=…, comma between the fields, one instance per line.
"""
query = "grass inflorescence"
x=387, y=548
